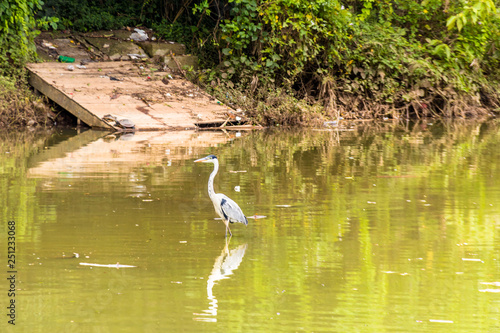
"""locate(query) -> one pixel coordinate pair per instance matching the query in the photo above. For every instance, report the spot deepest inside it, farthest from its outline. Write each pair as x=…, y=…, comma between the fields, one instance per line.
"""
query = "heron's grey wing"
x=232, y=211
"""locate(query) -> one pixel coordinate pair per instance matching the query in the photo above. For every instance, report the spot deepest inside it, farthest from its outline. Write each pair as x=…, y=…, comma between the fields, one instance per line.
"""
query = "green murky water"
x=389, y=229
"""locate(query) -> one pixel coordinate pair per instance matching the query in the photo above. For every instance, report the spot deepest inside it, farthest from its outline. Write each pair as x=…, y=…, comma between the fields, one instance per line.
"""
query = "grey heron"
x=227, y=209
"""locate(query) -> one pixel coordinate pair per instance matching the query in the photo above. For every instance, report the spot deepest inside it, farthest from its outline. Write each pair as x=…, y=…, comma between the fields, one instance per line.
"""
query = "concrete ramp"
x=148, y=97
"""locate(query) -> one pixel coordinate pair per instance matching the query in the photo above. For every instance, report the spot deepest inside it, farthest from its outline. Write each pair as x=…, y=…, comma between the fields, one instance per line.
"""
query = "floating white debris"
x=371, y=202
x=183, y=242
x=471, y=259
x=237, y=188
x=284, y=206
x=256, y=217
x=489, y=290
x=237, y=171
x=176, y=282
x=441, y=321
x=497, y=284
x=117, y=265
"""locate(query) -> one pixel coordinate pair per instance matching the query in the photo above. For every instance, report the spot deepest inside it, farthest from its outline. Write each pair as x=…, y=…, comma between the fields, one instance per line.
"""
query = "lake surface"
x=378, y=228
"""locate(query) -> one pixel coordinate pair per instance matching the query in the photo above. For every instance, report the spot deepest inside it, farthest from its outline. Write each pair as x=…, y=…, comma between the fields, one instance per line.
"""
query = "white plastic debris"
x=139, y=35
x=117, y=265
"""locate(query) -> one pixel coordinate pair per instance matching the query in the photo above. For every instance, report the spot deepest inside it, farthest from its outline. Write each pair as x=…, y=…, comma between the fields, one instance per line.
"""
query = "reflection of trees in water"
x=224, y=266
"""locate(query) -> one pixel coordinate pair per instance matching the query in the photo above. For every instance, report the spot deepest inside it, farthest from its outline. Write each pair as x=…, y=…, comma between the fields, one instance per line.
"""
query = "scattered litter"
x=489, y=290
x=125, y=124
x=147, y=200
x=48, y=45
x=256, y=217
x=237, y=188
x=330, y=123
x=237, y=171
x=70, y=68
x=117, y=265
x=472, y=259
x=441, y=321
x=183, y=242
x=139, y=35
x=284, y=206
x=109, y=117
x=177, y=282
x=65, y=59
x=81, y=66
x=371, y=202
x=497, y=284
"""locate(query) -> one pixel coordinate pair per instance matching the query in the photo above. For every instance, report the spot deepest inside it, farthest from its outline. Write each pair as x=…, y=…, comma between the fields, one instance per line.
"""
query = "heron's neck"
x=211, y=191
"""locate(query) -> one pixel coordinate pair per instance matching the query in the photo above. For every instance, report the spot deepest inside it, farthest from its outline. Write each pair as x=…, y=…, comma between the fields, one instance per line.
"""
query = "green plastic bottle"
x=65, y=59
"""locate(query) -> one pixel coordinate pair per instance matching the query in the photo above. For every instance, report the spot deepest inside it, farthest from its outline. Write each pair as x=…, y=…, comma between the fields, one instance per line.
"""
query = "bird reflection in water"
x=224, y=265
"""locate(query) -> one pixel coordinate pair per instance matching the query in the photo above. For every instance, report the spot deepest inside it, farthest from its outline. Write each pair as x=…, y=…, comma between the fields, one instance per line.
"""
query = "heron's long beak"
x=204, y=160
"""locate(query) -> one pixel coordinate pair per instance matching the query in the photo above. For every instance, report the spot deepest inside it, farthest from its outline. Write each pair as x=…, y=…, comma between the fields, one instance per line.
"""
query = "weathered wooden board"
x=152, y=100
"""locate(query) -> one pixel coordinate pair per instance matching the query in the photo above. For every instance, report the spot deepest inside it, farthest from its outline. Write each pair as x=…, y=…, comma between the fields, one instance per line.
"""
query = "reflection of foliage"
x=18, y=197
x=397, y=200
x=344, y=250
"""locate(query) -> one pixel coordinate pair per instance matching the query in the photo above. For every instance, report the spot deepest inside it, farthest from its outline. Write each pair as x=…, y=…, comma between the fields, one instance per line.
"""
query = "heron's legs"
x=227, y=228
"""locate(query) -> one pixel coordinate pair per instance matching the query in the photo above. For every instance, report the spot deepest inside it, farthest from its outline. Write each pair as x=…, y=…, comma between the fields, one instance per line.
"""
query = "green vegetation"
x=293, y=61
x=18, y=106
x=369, y=58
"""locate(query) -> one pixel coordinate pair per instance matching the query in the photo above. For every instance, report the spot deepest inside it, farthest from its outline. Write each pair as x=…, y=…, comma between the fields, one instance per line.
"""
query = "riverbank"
x=263, y=101
x=299, y=63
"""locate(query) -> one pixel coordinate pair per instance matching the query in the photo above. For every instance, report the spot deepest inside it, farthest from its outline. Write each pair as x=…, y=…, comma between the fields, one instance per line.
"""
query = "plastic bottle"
x=65, y=59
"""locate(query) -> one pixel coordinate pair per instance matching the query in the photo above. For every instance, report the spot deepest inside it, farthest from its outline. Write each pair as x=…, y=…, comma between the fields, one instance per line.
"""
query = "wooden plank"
x=65, y=102
x=150, y=98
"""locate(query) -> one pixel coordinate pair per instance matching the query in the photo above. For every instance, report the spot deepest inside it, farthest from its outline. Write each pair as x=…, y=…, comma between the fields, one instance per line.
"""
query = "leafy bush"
x=17, y=34
x=387, y=58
